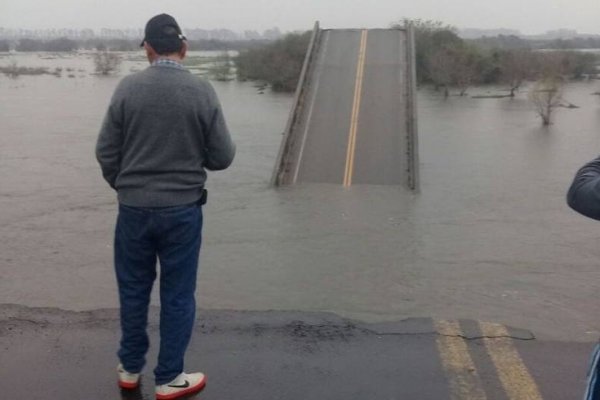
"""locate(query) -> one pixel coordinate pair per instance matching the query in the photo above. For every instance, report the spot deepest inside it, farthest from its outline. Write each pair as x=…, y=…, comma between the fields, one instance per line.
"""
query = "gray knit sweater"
x=163, y=128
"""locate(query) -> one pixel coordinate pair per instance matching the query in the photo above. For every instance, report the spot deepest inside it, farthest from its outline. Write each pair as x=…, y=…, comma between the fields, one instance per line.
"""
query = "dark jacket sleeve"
x=584, y=193
x=220, y=149
x=110, y=141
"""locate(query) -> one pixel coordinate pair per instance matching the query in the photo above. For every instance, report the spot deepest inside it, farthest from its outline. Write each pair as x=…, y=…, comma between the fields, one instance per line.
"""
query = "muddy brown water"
x=488, y=237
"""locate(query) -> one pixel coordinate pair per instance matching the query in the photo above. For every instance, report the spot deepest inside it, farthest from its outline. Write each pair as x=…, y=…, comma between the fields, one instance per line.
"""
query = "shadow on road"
x=137, y=394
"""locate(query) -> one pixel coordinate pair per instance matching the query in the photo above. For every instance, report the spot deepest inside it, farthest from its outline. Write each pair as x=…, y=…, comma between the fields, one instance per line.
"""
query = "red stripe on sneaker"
x=193, y=389
x=128, y=385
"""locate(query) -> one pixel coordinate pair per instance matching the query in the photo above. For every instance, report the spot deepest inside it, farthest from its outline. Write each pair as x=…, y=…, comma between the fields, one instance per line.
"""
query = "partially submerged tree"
x=515, y=67
x=106, y=62
x=442, y=57
x=279, y=63
x=430, y=37
x=439, y=73
x=580, y=65
x=455, y=66
x=465, y=68
x=546, y=96
x=220, y=70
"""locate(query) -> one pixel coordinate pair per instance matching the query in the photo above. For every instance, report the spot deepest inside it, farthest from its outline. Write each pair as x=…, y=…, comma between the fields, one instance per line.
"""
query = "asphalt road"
x=353, y=129
x=53, y=354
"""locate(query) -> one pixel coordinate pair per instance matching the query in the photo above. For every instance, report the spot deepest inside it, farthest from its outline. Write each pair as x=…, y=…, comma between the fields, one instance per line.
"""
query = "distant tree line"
x=512, y=42
x=502, y=42
x=66, y=45
x=56, y=45
x=575, y=43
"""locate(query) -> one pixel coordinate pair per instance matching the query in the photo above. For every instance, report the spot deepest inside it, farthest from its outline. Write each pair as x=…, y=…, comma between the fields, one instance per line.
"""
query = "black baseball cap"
x=163, y=34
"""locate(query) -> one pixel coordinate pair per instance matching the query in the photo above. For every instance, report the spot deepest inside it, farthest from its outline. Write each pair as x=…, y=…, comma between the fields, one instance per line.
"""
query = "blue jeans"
x=173, y=234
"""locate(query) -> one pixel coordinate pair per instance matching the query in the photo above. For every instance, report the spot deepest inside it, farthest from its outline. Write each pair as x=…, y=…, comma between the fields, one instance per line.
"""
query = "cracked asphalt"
x=270, y=355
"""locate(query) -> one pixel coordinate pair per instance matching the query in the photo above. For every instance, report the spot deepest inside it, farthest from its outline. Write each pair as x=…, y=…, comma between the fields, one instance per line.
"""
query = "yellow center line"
x=465, y=383
x=516, y=379
x=360, y=69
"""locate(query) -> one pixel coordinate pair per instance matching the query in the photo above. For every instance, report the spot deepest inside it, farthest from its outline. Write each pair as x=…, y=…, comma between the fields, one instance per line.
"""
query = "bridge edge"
x=277, y=178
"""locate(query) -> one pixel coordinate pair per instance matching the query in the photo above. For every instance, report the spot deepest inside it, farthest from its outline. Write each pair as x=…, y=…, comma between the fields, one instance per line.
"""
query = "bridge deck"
x=353, y=121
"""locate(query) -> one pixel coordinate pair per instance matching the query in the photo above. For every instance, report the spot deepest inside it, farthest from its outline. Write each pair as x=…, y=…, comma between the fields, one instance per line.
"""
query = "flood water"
x=488, y=237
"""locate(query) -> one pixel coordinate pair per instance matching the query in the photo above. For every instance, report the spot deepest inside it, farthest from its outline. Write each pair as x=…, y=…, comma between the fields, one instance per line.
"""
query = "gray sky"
x=528, y=16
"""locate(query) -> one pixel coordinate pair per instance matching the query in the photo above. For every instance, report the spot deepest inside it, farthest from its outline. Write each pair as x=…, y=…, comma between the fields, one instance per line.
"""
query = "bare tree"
x=516, y=66
x=439, y=72
x=106, y=62
x=546, y=96
x=463, y=67
x=453, y=66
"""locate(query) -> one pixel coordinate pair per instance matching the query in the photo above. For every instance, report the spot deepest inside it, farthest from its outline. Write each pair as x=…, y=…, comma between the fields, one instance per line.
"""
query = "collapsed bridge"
x=353, y=120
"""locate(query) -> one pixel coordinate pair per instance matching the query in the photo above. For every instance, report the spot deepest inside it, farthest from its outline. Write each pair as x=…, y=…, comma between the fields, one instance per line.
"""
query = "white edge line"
x=310, y=111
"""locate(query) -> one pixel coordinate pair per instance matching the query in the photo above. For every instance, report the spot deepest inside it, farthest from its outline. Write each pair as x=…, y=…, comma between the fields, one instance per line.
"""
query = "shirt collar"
x=165, y=62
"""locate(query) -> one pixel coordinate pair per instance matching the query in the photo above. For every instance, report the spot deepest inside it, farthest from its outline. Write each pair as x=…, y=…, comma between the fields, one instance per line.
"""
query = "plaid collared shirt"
x=165, y=62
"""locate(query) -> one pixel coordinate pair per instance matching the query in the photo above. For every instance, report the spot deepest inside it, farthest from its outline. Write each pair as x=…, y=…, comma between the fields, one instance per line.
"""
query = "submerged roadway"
x=352, y=126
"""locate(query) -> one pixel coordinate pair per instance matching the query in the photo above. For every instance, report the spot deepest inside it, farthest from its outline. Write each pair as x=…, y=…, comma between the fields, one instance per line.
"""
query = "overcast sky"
x=528, y=16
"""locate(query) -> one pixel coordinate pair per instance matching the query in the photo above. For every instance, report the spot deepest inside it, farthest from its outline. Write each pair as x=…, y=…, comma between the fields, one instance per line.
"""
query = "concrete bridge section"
x=353, y=120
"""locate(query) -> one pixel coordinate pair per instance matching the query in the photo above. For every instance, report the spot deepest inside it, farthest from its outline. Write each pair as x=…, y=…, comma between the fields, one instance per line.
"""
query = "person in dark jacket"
x=163, y=129
x=584, y=197
x=584, y=193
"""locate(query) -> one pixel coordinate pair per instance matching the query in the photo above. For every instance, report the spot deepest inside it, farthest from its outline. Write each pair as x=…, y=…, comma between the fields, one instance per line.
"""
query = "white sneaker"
x=182, y=385
x=127, y=380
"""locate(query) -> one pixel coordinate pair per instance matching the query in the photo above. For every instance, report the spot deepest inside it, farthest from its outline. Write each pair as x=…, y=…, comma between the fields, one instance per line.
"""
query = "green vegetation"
x=278, y=63
x=447, y=61
x=443, y=60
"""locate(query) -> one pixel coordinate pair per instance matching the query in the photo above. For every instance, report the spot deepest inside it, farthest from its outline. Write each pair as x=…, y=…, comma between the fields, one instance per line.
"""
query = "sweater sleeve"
x=110, y=141
x=220, y=149
x=584, y=193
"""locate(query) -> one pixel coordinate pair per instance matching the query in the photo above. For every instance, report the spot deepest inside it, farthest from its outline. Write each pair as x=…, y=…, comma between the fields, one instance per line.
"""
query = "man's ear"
x=184, y=49
x=150, y=53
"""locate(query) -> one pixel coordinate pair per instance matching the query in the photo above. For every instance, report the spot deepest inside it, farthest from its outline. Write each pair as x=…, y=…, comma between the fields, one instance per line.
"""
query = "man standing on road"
x=163, y=128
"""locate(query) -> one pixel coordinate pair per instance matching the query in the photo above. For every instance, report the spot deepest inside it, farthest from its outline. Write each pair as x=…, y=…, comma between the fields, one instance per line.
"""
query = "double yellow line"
x=360, y=70
x=465, y=383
